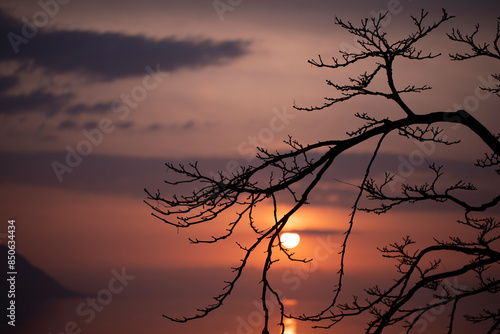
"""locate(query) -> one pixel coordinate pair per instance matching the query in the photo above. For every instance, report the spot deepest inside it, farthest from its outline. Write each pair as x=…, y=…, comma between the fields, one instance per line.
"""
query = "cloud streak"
x=110, y=56
x=105, y=174
x=97, y=108
x=34, y=101
x=97, y=57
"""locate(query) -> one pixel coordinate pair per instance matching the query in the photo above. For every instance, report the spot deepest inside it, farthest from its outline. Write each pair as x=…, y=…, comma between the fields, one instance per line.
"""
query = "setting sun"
x=290, y=240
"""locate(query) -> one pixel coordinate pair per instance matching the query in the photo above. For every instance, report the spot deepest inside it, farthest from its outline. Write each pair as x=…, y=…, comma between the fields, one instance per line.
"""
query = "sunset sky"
x=135, y=84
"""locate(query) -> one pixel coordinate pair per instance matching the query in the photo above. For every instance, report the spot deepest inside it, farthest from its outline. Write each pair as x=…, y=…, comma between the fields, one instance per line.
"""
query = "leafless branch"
x=296, y=172
x=491, y=50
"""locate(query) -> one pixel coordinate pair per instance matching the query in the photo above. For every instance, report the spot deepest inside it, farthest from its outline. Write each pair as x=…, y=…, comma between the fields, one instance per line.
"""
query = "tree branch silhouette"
x=479, y=50
x=281, y=173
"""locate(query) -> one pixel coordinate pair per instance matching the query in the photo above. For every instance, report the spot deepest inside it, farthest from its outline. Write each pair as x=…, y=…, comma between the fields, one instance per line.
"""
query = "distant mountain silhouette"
x=33, y=288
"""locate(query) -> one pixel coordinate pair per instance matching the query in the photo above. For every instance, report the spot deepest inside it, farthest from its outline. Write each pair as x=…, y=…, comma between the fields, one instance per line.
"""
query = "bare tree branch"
x=479, y=50
x=298, y=171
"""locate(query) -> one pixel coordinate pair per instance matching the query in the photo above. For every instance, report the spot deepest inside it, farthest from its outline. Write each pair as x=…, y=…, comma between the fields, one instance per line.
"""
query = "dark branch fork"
x=244, y=189
x=479, y=50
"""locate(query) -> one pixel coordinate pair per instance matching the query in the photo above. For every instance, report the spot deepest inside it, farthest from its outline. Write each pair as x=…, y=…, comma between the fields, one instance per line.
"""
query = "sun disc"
x=290, y=240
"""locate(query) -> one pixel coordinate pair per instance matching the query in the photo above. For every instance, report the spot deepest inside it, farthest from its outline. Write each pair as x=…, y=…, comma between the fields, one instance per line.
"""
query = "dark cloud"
x=90, y=125
x=71, y=125
x=67, y=125
x=98, y=56
x=106, y=174
x=8, y=82
x=37, y=100
x=188, y=125
x=97, y=108
x=110, y=56
x=124, y=125
x=42, y=101
x=96, y=173
x=120, y=125
x=154, y=127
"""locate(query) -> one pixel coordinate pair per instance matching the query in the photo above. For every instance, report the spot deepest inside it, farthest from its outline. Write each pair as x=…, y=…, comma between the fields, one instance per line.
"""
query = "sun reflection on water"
x=290, y=324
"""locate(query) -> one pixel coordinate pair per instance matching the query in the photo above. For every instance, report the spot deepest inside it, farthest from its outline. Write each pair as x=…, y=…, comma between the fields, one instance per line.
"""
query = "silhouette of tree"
x=418, y=270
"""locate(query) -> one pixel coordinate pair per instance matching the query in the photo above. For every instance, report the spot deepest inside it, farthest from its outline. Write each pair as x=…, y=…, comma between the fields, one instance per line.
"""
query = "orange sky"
x=220, y=84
